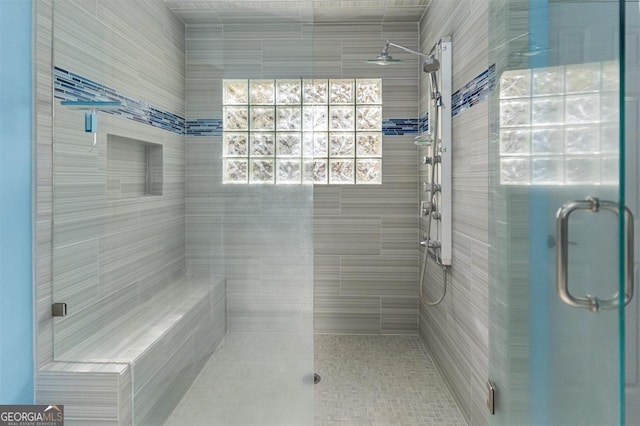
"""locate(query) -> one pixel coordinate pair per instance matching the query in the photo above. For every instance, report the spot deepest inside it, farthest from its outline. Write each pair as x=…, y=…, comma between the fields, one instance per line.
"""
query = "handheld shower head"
x=431, y=65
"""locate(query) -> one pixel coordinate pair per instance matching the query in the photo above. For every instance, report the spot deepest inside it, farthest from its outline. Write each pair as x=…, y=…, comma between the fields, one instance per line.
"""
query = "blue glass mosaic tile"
x=73, y=87
x=213, y=126
x=423, y=123
x=204, y=127
x=474, y=92
x=399, y=126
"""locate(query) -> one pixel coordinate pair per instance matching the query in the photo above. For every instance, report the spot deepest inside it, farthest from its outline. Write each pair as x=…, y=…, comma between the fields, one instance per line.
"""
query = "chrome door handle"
x=592, y=303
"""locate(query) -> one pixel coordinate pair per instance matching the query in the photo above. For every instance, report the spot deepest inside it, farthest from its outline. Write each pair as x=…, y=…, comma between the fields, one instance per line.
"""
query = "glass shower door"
x=558, y=224
x=186, y=299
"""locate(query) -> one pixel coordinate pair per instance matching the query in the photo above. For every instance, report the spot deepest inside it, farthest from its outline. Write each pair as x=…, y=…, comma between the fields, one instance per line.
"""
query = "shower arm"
x=435, y=94
x=406, y=49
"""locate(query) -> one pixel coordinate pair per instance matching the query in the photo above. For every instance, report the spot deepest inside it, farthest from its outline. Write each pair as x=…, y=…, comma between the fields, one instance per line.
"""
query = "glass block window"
x=559, y=125
x=288, y=131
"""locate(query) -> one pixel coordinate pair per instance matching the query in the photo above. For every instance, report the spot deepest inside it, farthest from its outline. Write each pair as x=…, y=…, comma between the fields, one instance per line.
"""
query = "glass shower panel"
x=139, y=324
x=632, y=200
x=194, y=295
x=262, y=372
x=555, y=146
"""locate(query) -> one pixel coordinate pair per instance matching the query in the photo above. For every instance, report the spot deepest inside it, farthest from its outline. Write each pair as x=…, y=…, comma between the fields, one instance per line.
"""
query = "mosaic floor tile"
x=371, y=380
x=379, y=380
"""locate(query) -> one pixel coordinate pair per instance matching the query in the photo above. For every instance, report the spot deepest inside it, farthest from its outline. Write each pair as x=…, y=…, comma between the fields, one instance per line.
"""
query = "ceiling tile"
x=307, y=11
x=349, y=14
x=405, y=14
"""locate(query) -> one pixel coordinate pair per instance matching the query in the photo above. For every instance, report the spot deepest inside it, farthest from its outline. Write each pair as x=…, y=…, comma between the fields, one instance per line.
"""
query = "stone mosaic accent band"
x=73, y=87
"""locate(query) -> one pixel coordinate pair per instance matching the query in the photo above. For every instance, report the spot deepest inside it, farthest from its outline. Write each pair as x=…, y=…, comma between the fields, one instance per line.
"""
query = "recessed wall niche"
x=134, y=168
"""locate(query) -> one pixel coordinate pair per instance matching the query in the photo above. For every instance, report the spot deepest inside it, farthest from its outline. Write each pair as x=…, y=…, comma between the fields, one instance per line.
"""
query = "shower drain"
x=312, y=378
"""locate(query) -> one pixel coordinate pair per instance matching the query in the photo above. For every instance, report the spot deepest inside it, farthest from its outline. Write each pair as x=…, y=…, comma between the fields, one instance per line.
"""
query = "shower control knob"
x=434, y=244
x=427, y=160
x=430, y=244
x=426, y=207
x=436, y=215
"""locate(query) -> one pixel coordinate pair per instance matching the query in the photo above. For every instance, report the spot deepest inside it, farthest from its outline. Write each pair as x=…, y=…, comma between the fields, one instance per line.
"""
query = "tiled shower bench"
x=135, y=370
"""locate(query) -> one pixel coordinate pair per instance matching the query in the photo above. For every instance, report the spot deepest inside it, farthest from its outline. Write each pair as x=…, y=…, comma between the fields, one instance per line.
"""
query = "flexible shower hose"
x=426, y=248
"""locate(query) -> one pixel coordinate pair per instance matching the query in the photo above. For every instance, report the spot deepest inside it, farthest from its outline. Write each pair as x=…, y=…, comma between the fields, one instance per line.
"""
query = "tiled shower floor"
x=379, y=380
x=366, y=380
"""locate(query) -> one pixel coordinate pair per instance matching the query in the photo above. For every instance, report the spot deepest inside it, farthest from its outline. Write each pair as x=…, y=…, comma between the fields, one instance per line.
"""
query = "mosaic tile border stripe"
x=390, y=126
x=423, y=123
x=474, y=92
x=73, y=87
x=204, y=127
x=400, y=126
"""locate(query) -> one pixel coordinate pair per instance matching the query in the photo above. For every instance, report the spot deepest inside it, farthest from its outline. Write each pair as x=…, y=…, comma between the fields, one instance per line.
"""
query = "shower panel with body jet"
x=438, y=156
x=436, y=208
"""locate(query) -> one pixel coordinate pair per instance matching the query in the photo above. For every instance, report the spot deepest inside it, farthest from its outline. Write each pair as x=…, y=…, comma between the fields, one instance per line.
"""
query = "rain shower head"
x=430, y=65
x=384, y=58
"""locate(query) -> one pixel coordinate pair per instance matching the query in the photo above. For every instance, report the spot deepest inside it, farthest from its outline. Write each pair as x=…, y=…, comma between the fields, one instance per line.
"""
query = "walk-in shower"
x=197, y=293
x=435, y=206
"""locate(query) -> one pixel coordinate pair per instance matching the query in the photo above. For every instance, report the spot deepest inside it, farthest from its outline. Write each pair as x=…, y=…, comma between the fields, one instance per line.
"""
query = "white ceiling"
x=311, y=11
